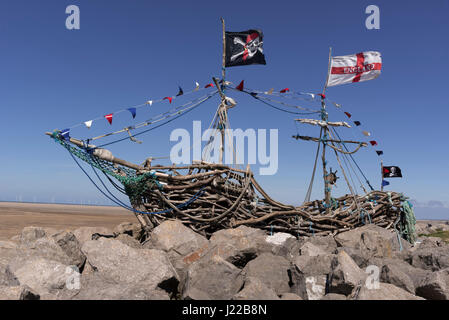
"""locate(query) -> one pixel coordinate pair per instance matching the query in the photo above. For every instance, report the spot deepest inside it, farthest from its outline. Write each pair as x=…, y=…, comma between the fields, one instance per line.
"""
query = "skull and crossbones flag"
x=391, y=172
x=244, y=48
x=354, y=68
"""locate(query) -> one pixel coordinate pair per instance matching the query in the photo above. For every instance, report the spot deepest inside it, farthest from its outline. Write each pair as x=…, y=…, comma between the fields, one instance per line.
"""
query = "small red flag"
x=167, y=98
x=240, y=86
x=373, y=143
x=109, y=117
x=209, y=85
x=322, y=95
x=284, y=90
x=348, y=114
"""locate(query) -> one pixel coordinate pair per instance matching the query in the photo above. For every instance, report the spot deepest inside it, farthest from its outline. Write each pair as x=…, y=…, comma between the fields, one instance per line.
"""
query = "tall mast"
x=222, y=113
x=327, y=189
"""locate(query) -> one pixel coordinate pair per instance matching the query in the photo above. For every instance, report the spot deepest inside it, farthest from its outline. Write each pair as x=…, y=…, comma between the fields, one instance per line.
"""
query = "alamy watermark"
x=190, y=148
x=373, y=20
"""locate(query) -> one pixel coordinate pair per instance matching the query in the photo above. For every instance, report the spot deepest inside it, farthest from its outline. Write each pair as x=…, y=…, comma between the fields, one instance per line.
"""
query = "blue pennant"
x=385, y=183
x=65, y=134
x=133, y=111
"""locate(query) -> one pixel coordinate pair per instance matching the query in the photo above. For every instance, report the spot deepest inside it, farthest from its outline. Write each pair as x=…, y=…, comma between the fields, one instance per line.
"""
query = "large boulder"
x=319, y=245
x=345, y=275
x=372, y=241
x=212, y=278
x=129, y=241
x=272, y=270
x=7, y=278
x=84, y=234
x=314, y=265
x=134, y=230
x=435, y=286
x=71, y=247
x=385, y=291
x=281, y=244
x=429, y=258
x=255, y=289
x=18, y=293
x=120, y=263
x=95, y=287
x=238, y=246
x=42, y=275
x=31, y=234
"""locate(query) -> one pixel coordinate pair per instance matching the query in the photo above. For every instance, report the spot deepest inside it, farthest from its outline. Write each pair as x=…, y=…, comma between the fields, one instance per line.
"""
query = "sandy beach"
x=14, y=216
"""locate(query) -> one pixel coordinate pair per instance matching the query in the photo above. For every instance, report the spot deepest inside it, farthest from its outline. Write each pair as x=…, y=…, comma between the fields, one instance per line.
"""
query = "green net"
x=135, y=184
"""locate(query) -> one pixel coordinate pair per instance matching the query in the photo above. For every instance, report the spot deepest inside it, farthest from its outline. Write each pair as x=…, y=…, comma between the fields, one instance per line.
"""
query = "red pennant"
x=373, y=143
x=209, y=85
x=240, y=86
x=168, y=98
x=109, y=117
x=284, y=90
x=322, y=95
x=348, y=114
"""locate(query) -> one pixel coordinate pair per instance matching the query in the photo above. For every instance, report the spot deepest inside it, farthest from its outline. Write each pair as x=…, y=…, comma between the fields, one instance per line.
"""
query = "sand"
x=14, y=216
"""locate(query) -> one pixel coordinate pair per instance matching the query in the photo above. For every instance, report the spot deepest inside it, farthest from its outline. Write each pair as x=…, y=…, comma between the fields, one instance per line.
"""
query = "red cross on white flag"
x=354, y=68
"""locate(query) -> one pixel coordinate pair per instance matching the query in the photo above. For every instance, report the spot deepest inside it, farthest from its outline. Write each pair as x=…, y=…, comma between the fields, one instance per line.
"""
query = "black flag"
x=243, y=48
x=392, y=172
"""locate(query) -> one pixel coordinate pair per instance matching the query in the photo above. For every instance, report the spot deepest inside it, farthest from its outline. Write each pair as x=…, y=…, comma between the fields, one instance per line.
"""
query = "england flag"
x=354, y=68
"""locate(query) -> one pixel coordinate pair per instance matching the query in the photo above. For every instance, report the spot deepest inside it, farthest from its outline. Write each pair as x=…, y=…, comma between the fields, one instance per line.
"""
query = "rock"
x=309, y=249
x=290, y=296
x=18, y=293
x=212, y=278
x=323, y=245
x=238, y=246
x=120, y=263
x=396, y=274
x=333, y=296
x=43, y=276
x=386, y=291
x=31, y=234
x=48, y=248
x=176, y=239
x=71, y=247
x=272, y=270
x=316, y=287
x=428, y=258
x=372, y=241
x=314, y=265
x=281, y=244
x=435, y=286
x=84, y=234
x=129, y=241
x=134, y=230
x=345, y=275
x=255, y=289
x=7, y=278
x=94, y=287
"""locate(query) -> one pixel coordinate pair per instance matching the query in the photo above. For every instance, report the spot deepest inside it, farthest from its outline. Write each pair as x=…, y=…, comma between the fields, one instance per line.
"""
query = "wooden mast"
x=222, y=108
x=327, y=189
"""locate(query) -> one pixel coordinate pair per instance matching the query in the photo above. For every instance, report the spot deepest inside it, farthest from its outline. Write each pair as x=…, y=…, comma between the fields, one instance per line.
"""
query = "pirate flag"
x=243, y=48
x=391, y=172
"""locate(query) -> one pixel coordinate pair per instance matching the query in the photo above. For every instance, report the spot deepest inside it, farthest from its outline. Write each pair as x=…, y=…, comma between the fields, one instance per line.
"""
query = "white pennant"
x=197, y=86
x=150, y=102
x=88, y=124
x=366, y=133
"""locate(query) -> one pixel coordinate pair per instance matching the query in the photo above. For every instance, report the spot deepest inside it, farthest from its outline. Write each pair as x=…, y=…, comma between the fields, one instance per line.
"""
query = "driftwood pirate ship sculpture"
x=210, y=196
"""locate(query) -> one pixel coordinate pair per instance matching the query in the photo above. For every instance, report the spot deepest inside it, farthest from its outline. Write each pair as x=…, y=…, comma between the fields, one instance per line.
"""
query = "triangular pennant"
x=269, y=91
x=284, y=90
x=197, y=86
x=168, y=98
x=366, y=133
x=88, y=124
x=337, y=105
x=240, y=86
x=348, y=114
x=65, y=134
x=385, y=183
x=379, y=152
x=109, y=117
x=357, y=123
x=322, y=95
x=312, y=95
x=180, y=92
x=209, y=85
x=150, y=102
x=373, y=142
x=133, y=112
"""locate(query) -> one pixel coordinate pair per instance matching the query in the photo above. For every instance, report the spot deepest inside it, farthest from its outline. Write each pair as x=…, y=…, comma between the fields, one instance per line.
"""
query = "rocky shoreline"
x=173, y=262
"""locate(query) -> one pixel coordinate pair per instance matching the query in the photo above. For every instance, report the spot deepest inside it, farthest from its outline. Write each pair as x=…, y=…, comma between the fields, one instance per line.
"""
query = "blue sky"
x=127, y=52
